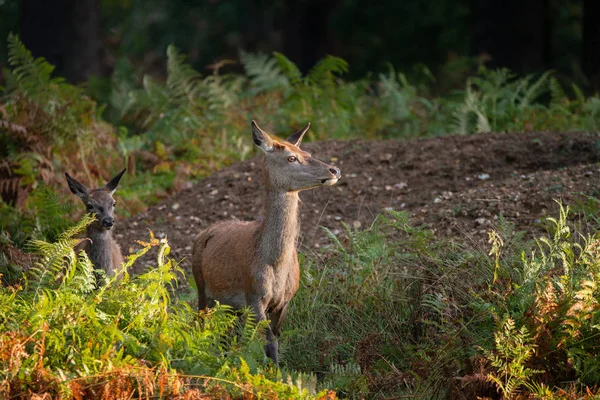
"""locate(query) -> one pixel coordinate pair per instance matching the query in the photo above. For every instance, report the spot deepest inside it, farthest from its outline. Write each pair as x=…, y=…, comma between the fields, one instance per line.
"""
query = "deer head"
x=98, y=201
x=290, y=169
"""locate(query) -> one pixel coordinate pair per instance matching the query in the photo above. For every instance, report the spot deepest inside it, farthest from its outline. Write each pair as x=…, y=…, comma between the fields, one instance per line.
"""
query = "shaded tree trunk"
x=307, y=32
x=516, y=34
x=591, y=42
x=67, y=33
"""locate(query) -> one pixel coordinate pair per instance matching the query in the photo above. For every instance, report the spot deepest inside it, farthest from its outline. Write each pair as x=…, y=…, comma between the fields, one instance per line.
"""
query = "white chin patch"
x=330, y=182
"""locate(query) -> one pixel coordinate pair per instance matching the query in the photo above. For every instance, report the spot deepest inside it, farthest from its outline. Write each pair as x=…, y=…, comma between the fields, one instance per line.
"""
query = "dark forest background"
x=86, y=38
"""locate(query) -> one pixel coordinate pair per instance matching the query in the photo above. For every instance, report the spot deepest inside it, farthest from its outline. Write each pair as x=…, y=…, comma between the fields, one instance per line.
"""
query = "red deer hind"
x=103, y=251
x=255, y=263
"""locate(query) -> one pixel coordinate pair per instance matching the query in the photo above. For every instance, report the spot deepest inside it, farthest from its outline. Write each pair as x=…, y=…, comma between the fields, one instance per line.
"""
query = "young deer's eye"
x=90, y=207
x=114, y=204
x=292, y=159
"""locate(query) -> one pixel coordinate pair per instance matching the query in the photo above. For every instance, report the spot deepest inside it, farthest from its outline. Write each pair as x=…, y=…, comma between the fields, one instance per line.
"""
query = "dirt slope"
x=457, y=184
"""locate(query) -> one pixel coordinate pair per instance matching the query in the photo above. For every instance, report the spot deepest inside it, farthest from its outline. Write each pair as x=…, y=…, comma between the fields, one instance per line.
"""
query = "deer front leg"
x=271, y=347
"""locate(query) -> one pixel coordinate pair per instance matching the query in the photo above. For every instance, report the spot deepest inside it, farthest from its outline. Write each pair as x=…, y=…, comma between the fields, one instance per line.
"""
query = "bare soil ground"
x=456, y=185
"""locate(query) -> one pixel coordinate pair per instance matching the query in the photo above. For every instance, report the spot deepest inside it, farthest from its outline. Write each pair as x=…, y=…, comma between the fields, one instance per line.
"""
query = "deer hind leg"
x=202, y=299
x=277, y=319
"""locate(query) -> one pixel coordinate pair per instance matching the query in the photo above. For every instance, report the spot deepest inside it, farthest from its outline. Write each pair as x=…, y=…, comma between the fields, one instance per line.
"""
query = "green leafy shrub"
x=554, y=294
x=61, y=337
x=497, y=101
x=513, y=350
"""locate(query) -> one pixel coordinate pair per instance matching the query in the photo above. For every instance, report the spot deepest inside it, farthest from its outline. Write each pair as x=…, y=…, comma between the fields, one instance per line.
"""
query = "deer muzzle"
x=107, y=223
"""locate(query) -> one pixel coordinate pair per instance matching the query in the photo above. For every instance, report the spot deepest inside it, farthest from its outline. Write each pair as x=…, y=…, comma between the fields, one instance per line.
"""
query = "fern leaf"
x=534, y=90
x=182, y=80
x=325, y=71
x=33, y=75
x=578, y=93
x=265, y=72
x=77, y=228
x=289, y=69
x=557, y=93
x=483, y=124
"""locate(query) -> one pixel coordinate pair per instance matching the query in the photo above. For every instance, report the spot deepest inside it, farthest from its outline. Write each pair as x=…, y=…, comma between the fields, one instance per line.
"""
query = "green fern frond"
x=51, y=214
x=156, y=94
x=123, y=82
x=77, y=228
x=578, y=93
x=265, y=72
x=483, y=124
x=182, y=79
x=289, y=69
x=57, y=263
x=533, y=91
x=517, y=88
x=324, y=73
x=222, y=92
x=55, y=258
x=557, y=93
x=471, y=105
x=81, y=278
x=33, y=75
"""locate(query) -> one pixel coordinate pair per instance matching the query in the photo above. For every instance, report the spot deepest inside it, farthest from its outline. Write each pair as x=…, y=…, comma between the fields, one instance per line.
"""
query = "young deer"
x=102, y=249
x=255, y=263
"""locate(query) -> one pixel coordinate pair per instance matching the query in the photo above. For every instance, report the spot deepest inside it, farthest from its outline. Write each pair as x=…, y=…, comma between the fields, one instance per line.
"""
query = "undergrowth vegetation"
x=63, y=338
x=391, y=310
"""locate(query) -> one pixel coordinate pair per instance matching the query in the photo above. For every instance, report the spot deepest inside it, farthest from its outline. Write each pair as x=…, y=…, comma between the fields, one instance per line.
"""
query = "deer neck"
x=279, y=231
x=100, y=248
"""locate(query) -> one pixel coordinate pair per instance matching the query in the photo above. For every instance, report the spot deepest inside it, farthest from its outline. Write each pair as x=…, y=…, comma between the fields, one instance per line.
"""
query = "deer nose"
x=108, y=222
x=335, y=171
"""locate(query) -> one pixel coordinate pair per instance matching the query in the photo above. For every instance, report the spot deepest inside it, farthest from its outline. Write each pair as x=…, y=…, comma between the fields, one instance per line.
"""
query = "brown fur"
x=255, y=263
x=100, y=246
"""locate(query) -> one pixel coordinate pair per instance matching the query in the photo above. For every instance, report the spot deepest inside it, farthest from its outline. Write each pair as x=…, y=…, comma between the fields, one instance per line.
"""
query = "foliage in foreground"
x=393, y=310
x=61, y=337
x=388, y=311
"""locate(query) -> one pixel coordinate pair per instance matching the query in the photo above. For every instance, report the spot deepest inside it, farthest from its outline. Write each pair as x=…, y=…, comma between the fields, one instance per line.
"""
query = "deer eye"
x=292, y=159
x=90, y=207
x=114, y=204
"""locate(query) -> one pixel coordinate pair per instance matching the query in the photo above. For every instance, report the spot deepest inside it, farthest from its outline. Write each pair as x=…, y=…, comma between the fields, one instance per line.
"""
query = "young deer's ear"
x=296, y=138
x=114, y=182
x=77, y=188
x=261, y=138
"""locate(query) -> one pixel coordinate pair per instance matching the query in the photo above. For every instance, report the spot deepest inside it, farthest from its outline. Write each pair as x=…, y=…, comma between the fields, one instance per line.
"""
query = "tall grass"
x=394, y=311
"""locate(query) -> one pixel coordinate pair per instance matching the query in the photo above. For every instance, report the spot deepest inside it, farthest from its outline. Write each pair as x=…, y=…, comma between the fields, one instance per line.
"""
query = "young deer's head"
x=290, y=169
x=98, y=201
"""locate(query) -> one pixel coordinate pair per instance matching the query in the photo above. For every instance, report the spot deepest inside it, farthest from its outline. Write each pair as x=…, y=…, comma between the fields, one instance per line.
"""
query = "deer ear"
x=296, y=138
x=76, y=187
x=261, y=138
x=114, y=182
